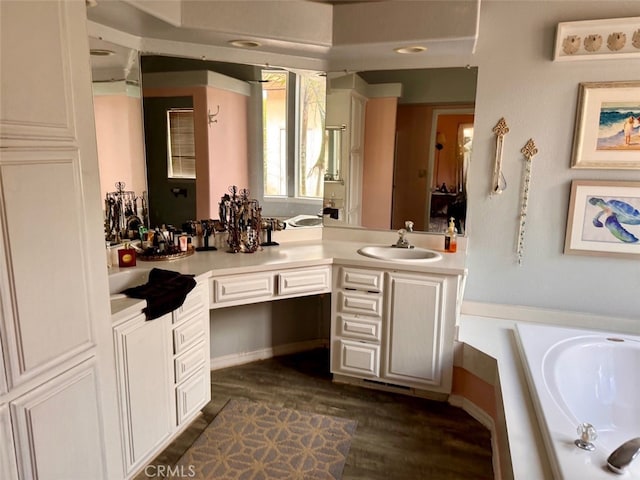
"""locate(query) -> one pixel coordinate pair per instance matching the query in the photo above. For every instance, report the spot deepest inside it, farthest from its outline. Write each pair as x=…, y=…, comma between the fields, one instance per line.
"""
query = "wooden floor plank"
x=398, y=436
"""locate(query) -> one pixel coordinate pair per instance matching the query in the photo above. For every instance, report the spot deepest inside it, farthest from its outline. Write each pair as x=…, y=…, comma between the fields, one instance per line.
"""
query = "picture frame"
x=604, y=218
x=607, y=132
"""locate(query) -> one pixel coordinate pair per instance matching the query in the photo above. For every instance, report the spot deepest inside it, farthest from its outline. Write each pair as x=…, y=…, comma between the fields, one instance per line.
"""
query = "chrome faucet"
x=622, y=456
x=402, y=241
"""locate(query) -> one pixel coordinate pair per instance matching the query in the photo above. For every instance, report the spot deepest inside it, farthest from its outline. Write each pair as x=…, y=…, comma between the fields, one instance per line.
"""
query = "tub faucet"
x=623, y=455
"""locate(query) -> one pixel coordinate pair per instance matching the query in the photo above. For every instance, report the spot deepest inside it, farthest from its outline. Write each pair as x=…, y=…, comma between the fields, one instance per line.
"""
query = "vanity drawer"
x=192, y=395
x=361, y=328
x=188, y=362
x=307, y=280
x=243, y=287
x=187, y=334
x=361, y=279
x=361, y=359
x=192, y=304
x=360, y=303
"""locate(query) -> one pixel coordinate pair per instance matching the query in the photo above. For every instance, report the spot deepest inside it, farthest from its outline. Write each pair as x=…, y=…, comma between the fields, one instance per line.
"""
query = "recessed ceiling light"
x=245, y=43
x=101, y=52
x=410, y=49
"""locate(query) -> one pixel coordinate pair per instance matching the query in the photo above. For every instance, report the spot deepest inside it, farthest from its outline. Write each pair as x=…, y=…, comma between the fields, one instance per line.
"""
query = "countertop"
x=308, y=253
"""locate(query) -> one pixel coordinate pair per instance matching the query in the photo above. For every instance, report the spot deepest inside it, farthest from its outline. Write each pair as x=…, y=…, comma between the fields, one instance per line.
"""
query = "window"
x=294, y=159
x=181, y=156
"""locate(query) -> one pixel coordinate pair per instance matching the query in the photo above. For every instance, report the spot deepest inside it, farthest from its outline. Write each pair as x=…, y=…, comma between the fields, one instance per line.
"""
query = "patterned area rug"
x=255, y=441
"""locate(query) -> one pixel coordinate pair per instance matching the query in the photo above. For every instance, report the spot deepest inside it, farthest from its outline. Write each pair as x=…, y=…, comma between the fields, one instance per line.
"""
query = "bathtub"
x=578, y=376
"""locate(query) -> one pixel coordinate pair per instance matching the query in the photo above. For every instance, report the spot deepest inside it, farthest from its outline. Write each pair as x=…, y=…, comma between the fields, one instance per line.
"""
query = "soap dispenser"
x=450, y=241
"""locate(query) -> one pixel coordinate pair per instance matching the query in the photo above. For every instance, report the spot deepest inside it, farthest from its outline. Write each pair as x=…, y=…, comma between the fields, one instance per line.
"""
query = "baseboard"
x=487, y=421
x=565, y=318
x=241, y=358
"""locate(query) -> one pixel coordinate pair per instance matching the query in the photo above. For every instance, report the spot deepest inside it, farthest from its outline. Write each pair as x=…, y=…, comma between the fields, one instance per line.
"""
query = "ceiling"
x=329, y=35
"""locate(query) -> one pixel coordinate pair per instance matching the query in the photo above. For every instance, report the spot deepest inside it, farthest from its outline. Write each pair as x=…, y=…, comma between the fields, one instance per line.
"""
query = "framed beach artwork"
x=604, y=218
x=607, y=133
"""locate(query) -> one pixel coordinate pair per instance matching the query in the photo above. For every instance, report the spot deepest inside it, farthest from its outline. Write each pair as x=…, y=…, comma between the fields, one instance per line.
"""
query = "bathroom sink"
x=119, y=281
x=387, y=252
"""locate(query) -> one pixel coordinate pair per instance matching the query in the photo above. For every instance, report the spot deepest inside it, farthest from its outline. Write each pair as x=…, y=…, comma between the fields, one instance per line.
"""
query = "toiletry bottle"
x=450, y=240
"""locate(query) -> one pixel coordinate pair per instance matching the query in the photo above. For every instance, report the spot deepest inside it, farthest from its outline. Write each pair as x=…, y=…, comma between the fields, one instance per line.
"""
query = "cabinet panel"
x=360, y=279
x=58, y=431
x=187, y=334
x=361, y=328
x=42, y=303
x=360, y=303
x=192, y=394
x=243, y=287
x=307, y=280
x=37, y=101
x=189, y=361
x=144, y=367
x=193, y=304
x=361, y=359
x=414, y=330
x=8, y=468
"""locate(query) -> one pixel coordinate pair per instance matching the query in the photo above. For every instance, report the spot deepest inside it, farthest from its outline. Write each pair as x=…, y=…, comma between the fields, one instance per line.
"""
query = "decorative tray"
x=166, y=256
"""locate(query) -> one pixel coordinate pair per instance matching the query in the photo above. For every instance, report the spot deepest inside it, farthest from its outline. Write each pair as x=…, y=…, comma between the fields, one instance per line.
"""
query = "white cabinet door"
x=145, y=380
x=415, y=334
x=57, y=427
x=8, y=467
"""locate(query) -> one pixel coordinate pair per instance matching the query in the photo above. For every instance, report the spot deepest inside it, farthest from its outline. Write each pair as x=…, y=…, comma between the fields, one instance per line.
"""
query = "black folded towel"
x=164, y=292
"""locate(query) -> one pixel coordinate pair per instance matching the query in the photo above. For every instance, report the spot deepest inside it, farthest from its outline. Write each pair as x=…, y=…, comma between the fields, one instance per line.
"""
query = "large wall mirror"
x=185, y=130
x=405, y=147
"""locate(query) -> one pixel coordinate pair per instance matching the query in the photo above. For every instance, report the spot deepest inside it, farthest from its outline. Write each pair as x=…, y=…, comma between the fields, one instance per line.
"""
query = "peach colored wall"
x=379, y=144
x=120, y=141
x=201, y=136
x=476, y=390
x=228, y=145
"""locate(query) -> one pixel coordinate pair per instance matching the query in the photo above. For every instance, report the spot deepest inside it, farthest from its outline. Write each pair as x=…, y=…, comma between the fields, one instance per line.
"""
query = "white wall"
x=519, y=81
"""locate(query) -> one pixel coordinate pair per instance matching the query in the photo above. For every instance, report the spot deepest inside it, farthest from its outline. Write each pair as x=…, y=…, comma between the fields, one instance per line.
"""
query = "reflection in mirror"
x=406, y=148
x=255, y=127
x=118, y=119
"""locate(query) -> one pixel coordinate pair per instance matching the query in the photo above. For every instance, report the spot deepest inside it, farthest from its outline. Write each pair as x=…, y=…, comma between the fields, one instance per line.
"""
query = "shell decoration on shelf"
x=571, y=44
x=616, y=41
x=592, y=43
x=635, y=41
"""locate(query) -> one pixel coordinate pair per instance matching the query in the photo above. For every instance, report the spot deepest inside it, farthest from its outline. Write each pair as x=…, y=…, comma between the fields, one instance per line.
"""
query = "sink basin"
x=119, y=281
x=386, y=252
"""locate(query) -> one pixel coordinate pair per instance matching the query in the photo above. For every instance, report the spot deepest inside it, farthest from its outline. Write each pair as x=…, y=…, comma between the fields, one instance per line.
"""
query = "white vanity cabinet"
x=264, y=286
x=163, y=375
x=393, y=327
x=144, y=373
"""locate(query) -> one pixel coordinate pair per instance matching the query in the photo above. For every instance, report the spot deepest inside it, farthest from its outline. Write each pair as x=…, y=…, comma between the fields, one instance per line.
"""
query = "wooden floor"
x=397, y=437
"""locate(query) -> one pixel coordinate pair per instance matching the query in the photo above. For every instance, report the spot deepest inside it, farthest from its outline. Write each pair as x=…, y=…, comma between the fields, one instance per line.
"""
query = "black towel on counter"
x=164, y=292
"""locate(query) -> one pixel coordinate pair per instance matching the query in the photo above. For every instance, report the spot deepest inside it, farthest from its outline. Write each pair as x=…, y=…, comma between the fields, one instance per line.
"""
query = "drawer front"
x=361, y=328
x=188, y=362
x=228, y=289
x=193, y=304
x=362, y=359
x=304, y=281
x=187, y=334
x=192, y=395
x=360, y=279
x=360, y=303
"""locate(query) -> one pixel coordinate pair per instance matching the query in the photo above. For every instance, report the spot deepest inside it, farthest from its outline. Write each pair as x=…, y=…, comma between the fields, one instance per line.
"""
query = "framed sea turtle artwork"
x=607, y=133
x=604, y=218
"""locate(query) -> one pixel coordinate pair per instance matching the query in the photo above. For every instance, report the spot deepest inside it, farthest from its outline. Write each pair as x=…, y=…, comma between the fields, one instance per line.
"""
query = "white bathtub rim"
x=555, y=426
